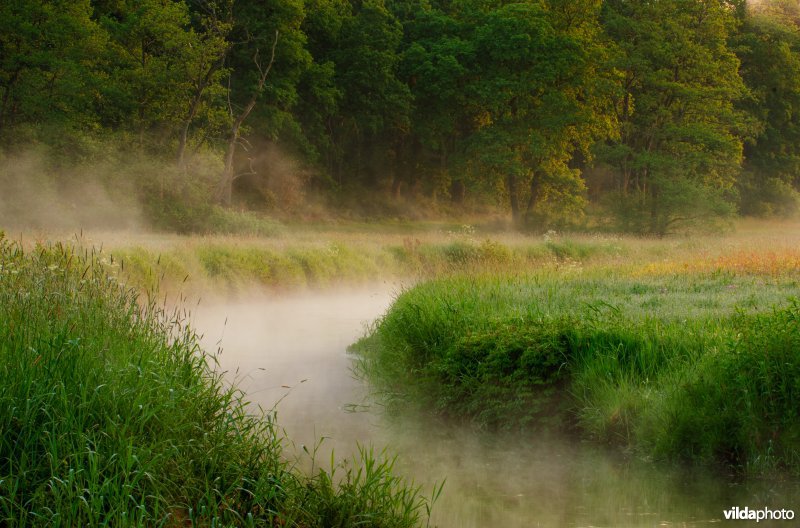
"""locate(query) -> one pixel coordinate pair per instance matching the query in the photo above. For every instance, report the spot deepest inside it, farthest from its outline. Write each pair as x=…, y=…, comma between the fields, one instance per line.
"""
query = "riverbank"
x=612, y=336
x=318, y=257
x=691, y=362
x=111, y=414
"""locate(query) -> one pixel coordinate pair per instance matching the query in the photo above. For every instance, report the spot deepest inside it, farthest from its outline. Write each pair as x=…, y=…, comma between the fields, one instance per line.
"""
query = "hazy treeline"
x=657, y=113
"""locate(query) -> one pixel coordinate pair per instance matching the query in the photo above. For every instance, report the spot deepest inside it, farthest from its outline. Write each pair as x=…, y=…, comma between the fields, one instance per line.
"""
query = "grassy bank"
x=110, y=414
x=312, y=257
x=699, y=363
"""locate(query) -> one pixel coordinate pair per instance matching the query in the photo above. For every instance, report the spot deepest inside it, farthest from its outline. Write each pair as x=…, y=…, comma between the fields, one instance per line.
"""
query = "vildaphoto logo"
x=764, y=514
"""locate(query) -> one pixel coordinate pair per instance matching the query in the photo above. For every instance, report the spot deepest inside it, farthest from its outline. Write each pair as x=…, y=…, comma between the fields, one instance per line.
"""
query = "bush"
x=767, y=197
x=671, y=205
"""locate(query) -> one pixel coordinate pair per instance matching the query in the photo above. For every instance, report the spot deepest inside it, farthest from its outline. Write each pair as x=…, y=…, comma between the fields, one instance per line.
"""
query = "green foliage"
x=573, y=250
x=150, y=43
x=252, y=37
x=46, y=72
x=673, y=205
x=112, y=415
x=681, y=134
x=228, y=222
x=368, y=494
x=740, y=404
x=501, y=373
x=699, y=367
x=537, y=97
x=174, y=201
x=770, y=196
x=479, y=103
x=768, y=44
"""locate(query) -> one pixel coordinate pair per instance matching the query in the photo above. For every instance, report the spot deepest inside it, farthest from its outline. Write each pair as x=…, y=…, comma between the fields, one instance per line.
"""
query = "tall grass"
x=304, y=256
x=704, y=367
x=111, y=415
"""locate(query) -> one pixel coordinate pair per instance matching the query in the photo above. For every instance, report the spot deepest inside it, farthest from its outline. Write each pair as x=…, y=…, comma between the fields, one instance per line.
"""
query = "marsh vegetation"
x=700, y=367
x=290, y=348
x=111, y=414
x=589, y=203
x=659, y=351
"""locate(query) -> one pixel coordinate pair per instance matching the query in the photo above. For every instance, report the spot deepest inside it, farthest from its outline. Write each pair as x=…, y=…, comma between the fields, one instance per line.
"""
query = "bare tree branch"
x=228, y=176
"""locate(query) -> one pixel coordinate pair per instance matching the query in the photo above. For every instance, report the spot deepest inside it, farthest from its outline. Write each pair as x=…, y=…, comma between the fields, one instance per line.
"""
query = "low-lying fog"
x=291, y=351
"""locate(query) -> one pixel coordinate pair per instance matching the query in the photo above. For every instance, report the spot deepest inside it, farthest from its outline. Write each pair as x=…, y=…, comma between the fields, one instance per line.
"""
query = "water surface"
x=290, y=351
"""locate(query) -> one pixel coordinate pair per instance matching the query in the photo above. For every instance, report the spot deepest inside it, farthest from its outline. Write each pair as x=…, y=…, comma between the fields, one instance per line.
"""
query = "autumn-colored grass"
x=769, y=263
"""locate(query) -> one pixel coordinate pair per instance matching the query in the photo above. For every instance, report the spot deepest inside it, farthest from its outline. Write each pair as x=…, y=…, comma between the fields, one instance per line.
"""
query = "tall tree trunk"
x=185, y=129
x=458, y=192
x=4, y=112
x=626, y=177
x=197, y=97
x=658, y=226
x=513, y=196
x=225, y=190
x=185, y=132
x=397, y=183
x=533, y=199
x=142, y=96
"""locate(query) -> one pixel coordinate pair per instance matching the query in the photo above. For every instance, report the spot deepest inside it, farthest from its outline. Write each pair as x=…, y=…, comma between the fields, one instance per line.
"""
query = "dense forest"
x=646, y=116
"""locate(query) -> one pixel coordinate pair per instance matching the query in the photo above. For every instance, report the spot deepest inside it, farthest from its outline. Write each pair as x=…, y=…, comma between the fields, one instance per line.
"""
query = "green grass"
x=701, y=366
x=236, y=265
x=111, y=415
x=304, y=256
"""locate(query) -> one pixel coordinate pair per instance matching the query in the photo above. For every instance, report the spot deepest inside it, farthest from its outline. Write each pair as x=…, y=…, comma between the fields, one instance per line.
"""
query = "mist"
x=36, y=194
x=288, y=353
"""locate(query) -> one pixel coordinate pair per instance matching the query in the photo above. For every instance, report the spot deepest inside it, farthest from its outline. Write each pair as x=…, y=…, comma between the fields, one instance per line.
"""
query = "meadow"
x=313, y=257
x=678, y=354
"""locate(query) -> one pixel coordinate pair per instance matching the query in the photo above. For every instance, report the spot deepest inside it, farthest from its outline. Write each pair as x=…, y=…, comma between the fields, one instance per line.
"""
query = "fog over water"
x=291, y=349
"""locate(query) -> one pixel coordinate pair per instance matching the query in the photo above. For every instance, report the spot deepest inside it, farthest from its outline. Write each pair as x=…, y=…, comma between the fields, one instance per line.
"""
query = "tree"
x=46, y=64
x=540, y=91
x=680, y=131
x=436, y=64
x=318, y=90
x=769, y=48
x=213, y=21
x=146, y=83
x=375, y=103
x=267, y=45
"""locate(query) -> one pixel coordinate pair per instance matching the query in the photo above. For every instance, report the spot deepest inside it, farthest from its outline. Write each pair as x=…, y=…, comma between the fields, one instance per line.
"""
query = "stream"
x=289, y=353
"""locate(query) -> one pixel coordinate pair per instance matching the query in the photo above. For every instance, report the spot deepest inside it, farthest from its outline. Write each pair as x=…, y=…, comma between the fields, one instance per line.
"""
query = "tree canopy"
x=671, y=112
